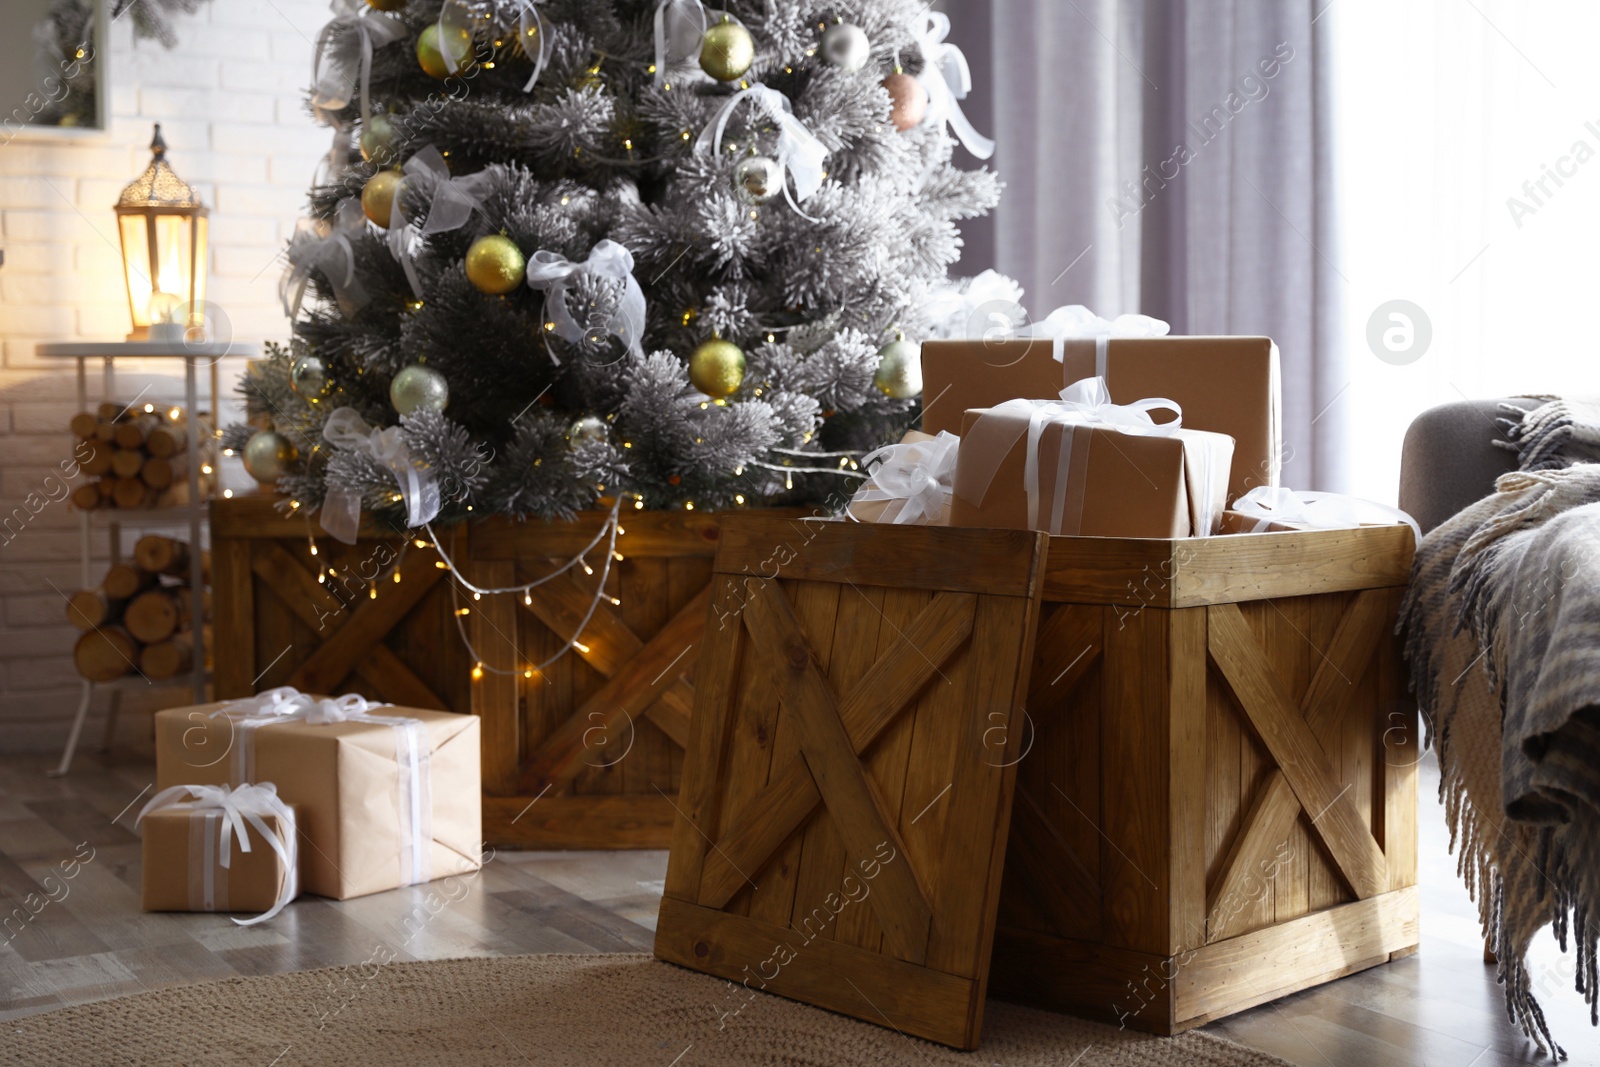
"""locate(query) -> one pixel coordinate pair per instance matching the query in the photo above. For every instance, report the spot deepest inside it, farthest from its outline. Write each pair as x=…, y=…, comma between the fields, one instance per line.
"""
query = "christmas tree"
x=670, y=255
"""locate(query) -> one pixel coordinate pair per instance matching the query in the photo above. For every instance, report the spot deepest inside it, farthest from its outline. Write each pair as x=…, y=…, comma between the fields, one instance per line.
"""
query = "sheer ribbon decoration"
x=948, y=80
x=342, y=62
x=1319, y=511
x=1076, y=322
x=916, y=474
x=680, y=33
x=324, y=246
x=419, y=486
x=414, y=799
x=799, y=153
x=454, y=201
x=223, y=814
x=552, y=274
x=458, y=29
x=1083, y=403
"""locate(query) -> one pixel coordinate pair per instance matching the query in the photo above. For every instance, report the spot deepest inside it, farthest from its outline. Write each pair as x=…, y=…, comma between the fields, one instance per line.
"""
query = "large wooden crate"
x=1216, y=804
x=583, y=754
x=845, y=802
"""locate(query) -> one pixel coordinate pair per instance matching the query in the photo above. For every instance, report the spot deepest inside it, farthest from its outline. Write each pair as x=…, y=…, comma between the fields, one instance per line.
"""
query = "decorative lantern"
x=163, y=227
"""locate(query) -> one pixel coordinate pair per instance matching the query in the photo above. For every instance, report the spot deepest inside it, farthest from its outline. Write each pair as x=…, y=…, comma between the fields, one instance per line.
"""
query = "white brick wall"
x=230, y=101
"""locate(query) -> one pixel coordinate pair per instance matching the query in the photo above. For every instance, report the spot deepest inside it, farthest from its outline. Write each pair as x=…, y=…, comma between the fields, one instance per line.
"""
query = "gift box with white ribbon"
x=211, y=848
x=387, y=796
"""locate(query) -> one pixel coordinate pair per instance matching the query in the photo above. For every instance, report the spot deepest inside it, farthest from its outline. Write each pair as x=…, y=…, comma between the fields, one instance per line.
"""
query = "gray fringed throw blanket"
x=1502, y=628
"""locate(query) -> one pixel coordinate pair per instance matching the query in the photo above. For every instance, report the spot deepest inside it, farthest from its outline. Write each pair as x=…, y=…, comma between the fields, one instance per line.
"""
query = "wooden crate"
x=1217, y=801
x=586, y=753
x=847, y=790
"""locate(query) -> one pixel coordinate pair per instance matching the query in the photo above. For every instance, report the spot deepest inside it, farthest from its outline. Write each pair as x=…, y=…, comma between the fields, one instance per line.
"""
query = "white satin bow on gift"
x=1083, y=403
x=1321, y=511
x=419, y=487
x=948, y=80
x=916, y=473
x=454, y=201
x=1075, y=322
x=343, y=57
x=552, y=274
x=238, y=806
x=413, y=784
x=800, y=155
x=324, y=246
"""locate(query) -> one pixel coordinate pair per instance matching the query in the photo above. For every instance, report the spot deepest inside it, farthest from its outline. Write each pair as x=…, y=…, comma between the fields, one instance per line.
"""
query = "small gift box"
x=1272, y=509
x=1084, y=466
x=212, y=848
x=1227, y=385
x=910, y=483
x=388, y=796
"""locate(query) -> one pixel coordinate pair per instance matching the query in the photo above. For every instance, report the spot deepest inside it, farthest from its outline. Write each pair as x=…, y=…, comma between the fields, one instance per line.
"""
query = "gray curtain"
x=1175, y=158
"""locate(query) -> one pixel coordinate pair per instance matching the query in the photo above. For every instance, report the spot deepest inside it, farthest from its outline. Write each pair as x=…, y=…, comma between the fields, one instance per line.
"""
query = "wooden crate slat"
x=1238, y=657
x=561, y=604
x=1266, y=826
x=493, y=625
x=234, y=618
x=553, y=821
x=872, y=703
x=858, y=811
x=671, y=711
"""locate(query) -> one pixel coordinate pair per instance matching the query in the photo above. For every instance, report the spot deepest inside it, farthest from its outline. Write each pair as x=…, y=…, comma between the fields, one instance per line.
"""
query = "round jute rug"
x=551, y=1011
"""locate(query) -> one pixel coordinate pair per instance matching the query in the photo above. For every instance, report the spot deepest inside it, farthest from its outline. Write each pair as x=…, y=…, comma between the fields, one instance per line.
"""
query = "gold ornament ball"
x=716, y=368
x=309, y=379
x=377, y=139
x=416, y=388
x=267, y=455
x=387, y=5
x=377, y=196
x=727, y=52
x=495, y=264
x=590, y=428
x=908, y=101
x=899, y=369
x=430, y=52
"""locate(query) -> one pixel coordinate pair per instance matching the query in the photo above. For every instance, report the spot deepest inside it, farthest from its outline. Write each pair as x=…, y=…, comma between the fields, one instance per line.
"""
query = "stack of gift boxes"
x=264, y=797
x=1086, y=427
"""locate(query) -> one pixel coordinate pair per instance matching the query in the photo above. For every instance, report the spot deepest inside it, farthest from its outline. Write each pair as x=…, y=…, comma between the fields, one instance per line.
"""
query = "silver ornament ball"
x=589, y=429
x=845, y=46
x=757, y=179
x=899, y=369
x=418, y=388
x=309, y=379
x=267, y=455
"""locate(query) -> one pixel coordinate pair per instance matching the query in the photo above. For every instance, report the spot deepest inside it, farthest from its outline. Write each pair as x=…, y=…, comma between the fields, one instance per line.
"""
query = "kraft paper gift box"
x=1227, y=385
x=910, y=482
x=388, y=797
x=184, y=843
x=1093, y=479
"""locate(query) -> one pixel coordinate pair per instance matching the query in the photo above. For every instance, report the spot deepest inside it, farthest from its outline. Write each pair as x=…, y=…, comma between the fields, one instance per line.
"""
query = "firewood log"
x=132, y=493
x=156, y=614
x=132, y=433
x=169, y=658
x=124, y=581
x=111, y=411
x=159, y=473
x=126, y=462
x=88, y=608
x=167, y=440
x=83, y=424
x=104, y=654
x=105, y=432
x=97, y=460
x=159, y=554
x=86, y=497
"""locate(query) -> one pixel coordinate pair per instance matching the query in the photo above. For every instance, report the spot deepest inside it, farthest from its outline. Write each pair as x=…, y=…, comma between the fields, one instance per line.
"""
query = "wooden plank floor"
x=1438, y=1007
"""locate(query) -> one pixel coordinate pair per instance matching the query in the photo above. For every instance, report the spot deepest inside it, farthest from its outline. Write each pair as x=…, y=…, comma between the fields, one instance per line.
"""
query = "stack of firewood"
x=137, y=457
x=139, y=618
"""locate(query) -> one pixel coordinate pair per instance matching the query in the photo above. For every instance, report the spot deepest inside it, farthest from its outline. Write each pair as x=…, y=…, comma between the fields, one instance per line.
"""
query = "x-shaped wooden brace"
x=642, y=677
x=833, y=734
x=1296, y=738
x=355, y=644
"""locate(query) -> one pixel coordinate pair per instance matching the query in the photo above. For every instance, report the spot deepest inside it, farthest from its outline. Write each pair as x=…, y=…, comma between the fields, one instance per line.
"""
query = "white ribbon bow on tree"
x=342, y=61
x=324, y=246
x=917, y=473
x=238, y=806
x=454, y=201
x=1320, y=511
x=419, y=487
x=948, y=80
x=414, y=796
x=676, y=24
x=552, y=274
x=799, y=154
